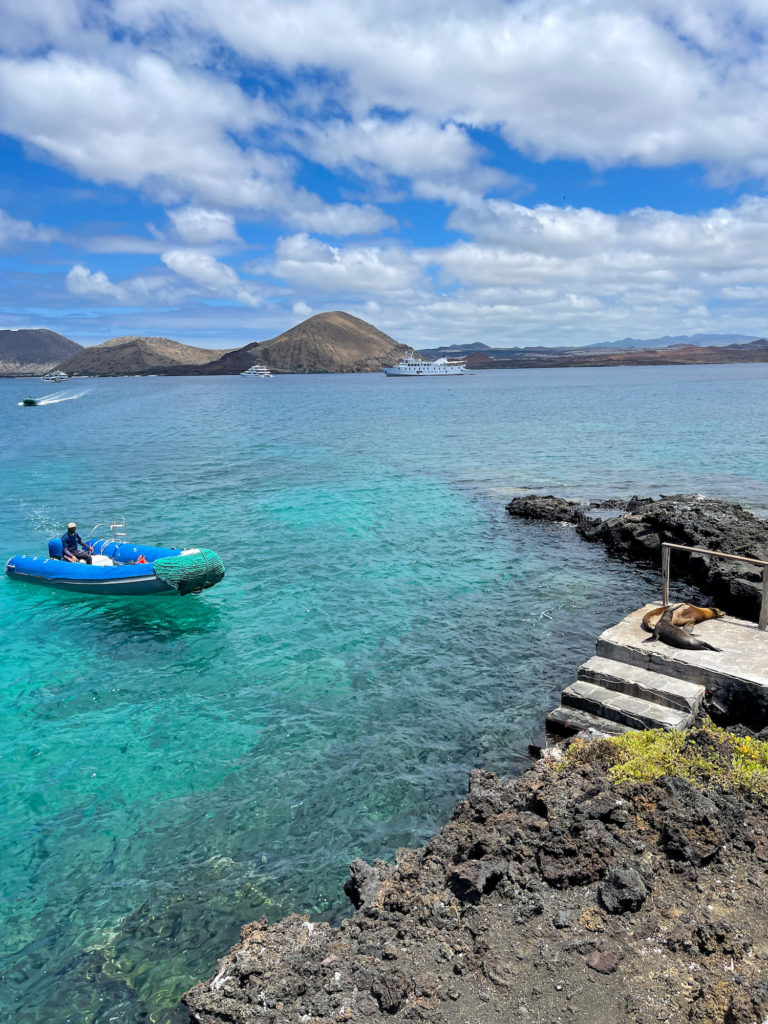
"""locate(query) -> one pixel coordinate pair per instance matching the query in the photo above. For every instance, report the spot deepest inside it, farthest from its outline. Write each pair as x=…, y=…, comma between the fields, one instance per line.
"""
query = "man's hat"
x=71, y=526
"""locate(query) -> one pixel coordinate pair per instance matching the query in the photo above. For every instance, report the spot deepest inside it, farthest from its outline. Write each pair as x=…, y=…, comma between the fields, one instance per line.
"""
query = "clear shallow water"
x=173, y=768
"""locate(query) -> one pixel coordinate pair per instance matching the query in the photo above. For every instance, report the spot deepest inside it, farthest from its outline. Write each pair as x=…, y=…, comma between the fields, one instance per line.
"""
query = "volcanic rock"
x=643, y=524
x=479, y=926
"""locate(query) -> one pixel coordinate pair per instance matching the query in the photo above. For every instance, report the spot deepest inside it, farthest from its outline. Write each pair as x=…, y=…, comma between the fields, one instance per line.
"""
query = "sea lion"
x=675, y=636
x=683, y=615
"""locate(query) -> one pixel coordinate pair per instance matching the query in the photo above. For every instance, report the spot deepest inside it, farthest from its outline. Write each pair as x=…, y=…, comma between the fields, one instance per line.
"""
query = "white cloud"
x=650, y=81
x=41, y=23
x=201, y=276
x=80, y=281
x=311, y=263
x=12, y=230
x=197, y=226
x=407, y=147
x=212, y=275
x=521, y=276
x=647, y=243
x=178, y=133
x=123, y=244
x=305, y=211
x=424, y=102
x=158, y=121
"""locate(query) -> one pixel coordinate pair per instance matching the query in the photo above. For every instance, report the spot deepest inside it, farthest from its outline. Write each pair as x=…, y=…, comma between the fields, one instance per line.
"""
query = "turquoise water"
x=175, y=767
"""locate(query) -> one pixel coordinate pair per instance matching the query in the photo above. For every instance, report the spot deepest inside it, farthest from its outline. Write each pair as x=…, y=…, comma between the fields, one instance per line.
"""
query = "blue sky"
x=516, y=173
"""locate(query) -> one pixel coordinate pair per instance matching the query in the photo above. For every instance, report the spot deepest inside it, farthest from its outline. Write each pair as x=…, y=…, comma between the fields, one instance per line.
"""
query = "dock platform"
x=631, y=683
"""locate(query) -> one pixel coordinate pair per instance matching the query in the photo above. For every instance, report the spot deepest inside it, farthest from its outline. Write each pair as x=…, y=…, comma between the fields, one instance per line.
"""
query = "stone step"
x=655, y=687
x=567, y=721
x=620, y=707
x=737, y=673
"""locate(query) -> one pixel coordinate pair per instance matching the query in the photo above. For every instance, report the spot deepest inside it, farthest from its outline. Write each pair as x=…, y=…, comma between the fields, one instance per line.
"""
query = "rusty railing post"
x=665, y=553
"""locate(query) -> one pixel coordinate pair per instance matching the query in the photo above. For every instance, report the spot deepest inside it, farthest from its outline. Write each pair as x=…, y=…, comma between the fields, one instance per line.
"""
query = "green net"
x=190, y=573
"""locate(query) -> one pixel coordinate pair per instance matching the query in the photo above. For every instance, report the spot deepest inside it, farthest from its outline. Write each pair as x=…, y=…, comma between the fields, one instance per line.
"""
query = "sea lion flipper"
x=649, y=619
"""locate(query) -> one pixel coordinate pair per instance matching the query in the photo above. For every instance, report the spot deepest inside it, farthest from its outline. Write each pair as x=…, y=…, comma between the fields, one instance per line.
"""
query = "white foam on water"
x=61, y=396
x=58, y=396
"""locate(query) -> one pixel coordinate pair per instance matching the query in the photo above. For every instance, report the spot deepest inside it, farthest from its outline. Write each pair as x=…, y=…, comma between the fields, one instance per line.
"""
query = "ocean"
x=175, y=767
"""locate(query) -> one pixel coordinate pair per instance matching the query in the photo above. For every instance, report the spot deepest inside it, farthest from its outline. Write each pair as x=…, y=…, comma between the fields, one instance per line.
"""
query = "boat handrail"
x=117, y=527
x=666, y=552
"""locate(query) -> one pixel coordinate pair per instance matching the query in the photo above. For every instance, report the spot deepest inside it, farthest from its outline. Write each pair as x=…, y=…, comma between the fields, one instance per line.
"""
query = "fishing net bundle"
x=190, y=572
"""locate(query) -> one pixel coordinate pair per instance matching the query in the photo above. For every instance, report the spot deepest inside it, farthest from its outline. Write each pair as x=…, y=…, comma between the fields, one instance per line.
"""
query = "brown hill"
x=325, y=343
x=31, y=351
x=130, y=355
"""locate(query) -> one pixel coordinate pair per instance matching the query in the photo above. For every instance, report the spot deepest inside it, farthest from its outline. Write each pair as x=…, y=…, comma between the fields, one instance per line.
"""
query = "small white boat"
x=413, y=366
x=56, y=376
x=257, y=371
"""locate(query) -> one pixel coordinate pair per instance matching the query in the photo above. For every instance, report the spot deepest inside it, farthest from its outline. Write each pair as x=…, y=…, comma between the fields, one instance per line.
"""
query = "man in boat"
x=69, y=546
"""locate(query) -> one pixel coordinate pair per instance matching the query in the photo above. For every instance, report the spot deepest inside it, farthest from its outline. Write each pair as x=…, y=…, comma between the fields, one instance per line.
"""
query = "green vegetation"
x=705, y=756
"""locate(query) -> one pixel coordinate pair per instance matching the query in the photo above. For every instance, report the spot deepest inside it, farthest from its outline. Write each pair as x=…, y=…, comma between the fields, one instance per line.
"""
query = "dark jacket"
x=70, y=541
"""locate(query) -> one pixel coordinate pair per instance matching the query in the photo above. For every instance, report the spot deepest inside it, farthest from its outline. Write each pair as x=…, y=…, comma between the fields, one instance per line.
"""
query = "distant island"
x=685, y=354
x=333, y=342
x=337, y=342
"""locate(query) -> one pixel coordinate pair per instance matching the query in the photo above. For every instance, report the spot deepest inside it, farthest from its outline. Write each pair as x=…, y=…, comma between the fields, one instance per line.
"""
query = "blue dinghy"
x=121, y=569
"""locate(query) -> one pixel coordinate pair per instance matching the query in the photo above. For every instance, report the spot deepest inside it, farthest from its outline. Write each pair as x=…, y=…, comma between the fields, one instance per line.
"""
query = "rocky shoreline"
x=563, y=895
x=560, y=896
x=635, y=529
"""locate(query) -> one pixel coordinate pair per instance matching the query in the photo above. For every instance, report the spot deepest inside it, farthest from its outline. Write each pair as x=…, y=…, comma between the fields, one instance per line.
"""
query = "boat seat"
x=55, y=548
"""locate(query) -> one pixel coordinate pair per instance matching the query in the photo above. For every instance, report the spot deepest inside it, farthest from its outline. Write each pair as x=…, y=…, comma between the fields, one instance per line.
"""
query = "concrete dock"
x=634, y=684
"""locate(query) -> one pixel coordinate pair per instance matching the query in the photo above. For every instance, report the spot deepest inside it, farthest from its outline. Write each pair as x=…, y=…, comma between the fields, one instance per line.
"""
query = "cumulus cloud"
x=197, y=226
x=12, y=230
x=406, y=147
x=510, y=239
x=172, y=131
x=552, y=271
x=311, y=263
x=305, y=211
x=81, y=281
x=649, y=81
x=425, y=106
x=195, y=274
x=212, y=275
x=126, y=124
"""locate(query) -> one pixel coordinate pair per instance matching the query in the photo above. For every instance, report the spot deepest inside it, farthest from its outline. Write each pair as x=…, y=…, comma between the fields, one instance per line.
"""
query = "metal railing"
x=666, y=551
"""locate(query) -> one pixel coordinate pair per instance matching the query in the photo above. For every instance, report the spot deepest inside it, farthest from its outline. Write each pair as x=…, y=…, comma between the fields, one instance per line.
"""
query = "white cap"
x=71, y=526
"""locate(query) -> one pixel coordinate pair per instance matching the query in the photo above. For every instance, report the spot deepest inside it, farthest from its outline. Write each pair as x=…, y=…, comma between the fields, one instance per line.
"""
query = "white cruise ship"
x=412, y=366
x=56, y=376
x=257, y=371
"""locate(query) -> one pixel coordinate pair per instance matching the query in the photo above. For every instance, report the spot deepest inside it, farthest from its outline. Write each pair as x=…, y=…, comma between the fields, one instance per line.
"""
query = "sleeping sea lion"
x=683, y=615
x=675, y=636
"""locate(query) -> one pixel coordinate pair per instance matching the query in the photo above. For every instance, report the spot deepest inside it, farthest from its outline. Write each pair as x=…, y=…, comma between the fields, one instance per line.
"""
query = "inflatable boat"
x=121, y=569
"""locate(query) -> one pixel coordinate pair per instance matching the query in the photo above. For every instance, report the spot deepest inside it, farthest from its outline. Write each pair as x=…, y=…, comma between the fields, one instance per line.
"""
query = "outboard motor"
x=55, y=548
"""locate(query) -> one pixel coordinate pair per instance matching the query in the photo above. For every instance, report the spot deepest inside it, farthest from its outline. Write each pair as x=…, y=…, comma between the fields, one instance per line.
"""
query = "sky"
x=511, y=173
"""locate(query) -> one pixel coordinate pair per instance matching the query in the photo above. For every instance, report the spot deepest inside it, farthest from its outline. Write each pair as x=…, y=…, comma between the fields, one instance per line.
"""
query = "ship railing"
x=666, y=551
